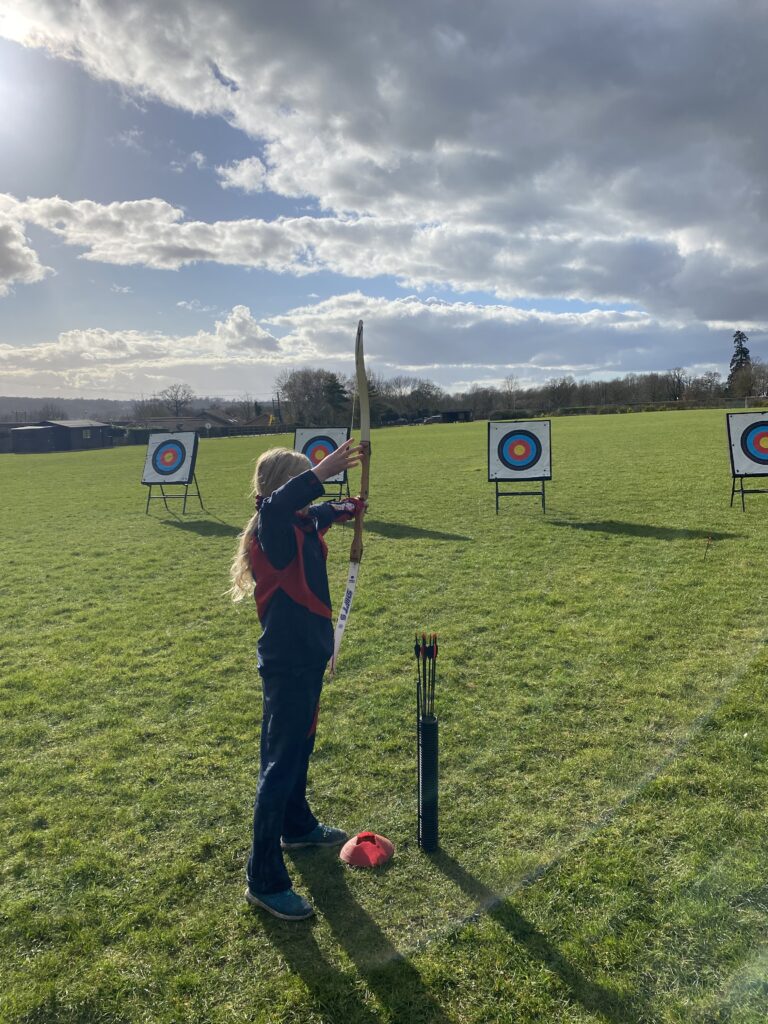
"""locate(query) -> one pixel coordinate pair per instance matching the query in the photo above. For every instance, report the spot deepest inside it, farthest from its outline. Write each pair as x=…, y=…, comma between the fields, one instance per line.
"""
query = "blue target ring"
x=317, y=448
x=168, y=457
x=754, y=442
x=519, y=450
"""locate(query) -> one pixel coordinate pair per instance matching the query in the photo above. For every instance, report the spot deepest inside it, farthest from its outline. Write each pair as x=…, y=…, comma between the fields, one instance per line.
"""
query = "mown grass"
x=603, y=743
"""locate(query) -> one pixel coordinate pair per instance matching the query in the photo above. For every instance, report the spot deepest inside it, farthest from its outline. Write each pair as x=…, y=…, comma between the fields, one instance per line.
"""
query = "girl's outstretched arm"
x=345, y=457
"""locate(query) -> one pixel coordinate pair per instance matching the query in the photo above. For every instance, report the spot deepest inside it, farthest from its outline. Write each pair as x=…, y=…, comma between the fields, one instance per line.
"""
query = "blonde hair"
x=273, y=469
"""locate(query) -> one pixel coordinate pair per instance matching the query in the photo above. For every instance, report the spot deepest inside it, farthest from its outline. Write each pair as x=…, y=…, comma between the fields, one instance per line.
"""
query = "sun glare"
x=14, y=26
x=23, y=91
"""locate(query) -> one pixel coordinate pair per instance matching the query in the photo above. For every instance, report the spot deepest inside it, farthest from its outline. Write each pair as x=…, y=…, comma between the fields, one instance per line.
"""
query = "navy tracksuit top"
x=288, y=555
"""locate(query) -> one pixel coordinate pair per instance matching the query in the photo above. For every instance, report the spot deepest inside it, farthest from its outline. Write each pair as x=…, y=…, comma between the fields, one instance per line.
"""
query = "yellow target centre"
x=763, y=442
x=519, y=449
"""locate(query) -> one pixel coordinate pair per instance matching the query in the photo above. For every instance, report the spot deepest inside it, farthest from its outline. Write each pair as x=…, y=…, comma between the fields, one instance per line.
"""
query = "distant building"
x=61, y=436
x=457, y=416
x=201, y=420
x=264, y=419
x=5, y=435
x=32, y=440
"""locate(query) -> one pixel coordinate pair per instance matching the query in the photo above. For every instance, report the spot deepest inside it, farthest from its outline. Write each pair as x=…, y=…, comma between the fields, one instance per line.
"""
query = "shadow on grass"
x=594, y=998
x=204, y=527
x=643, y=530
x=393, y=980
x=399, y=531
x=218, y=528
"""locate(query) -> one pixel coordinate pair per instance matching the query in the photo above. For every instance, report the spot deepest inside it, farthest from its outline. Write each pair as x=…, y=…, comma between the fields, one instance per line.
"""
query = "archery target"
x=519, y=450
x=748, y=442
x=318, y=442
x=170, y=458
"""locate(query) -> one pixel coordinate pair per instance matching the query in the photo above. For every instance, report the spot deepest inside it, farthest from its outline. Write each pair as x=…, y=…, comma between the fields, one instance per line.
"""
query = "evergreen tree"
x=740, y=360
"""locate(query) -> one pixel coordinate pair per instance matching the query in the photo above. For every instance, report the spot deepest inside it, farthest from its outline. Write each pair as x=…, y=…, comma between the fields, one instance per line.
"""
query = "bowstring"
x=352, y=421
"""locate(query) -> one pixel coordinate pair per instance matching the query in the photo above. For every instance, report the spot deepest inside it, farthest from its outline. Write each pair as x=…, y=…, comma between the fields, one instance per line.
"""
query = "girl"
x=281, y=560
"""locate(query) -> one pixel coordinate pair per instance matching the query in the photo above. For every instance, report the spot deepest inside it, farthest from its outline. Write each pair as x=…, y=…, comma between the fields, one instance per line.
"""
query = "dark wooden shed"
x=76, y=435
x=457, y=416
x=29, y=440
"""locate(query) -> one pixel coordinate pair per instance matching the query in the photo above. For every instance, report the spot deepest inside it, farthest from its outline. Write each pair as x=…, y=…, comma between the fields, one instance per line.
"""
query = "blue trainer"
x=321, y=835
x=287, y=905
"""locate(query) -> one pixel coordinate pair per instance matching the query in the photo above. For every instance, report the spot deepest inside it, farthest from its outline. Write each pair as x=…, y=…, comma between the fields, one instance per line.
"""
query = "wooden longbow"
x=356, y=551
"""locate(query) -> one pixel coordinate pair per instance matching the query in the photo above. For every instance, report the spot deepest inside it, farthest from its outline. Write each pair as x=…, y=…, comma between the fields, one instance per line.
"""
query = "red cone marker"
x=367, y=850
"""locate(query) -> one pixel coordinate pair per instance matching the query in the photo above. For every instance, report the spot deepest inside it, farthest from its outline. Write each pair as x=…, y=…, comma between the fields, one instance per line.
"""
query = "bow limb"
x=356, y=551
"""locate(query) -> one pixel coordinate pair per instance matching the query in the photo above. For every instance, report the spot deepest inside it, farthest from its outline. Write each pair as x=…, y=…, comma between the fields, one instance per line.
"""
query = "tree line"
x=312, y=396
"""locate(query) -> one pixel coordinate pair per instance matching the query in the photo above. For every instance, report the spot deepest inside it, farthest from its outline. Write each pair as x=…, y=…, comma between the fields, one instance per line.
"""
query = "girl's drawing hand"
x=345, y=457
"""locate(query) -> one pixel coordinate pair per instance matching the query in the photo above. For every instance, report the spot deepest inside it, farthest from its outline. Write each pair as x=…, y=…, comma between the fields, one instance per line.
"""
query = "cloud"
x=453, y=343
x=195, y=306
x=605, y=151
x=152, y=233
x=131, y=138
x=95, y=359
x=19, y=263
x=194, y=159
x=247, y=175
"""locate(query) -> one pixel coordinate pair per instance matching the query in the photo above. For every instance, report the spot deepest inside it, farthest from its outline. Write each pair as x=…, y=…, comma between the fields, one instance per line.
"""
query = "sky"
x=214, y=193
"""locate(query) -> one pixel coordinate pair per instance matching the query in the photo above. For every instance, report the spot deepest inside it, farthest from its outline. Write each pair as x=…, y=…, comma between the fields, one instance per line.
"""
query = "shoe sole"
x=256, y=902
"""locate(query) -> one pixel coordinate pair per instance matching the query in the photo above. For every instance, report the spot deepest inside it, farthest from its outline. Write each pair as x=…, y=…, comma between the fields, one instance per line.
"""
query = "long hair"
x=273, y=469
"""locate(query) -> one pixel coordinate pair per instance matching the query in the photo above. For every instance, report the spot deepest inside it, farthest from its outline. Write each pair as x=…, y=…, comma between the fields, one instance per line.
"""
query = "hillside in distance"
x=20, y=410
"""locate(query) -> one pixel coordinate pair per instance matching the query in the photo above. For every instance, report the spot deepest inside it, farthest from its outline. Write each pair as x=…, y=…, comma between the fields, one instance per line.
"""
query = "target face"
x=170, y=458
x=748, y=442
x=318, y=442
x=519, y=450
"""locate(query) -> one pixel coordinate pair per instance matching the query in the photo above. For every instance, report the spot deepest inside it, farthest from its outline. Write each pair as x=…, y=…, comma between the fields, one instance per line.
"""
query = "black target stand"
x=342, y=485
x=743, y=491
x=523, y=494
x=165, y=498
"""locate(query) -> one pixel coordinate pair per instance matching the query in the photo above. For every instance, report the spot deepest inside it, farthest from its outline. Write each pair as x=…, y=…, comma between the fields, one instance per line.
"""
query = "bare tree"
x=511, y=390
x=759, y=378
x=176, y=397
x=677, y=382
x=51, y=411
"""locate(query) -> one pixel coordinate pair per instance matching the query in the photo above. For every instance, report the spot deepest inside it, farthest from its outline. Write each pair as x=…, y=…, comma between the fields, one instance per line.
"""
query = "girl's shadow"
x=388, y=974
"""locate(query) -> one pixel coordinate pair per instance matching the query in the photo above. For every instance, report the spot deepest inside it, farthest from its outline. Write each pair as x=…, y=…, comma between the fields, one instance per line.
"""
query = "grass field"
x=604, y=743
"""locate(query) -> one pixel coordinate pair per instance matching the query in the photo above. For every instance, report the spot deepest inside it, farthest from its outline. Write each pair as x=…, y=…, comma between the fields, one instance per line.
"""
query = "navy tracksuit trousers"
x=290, y=706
